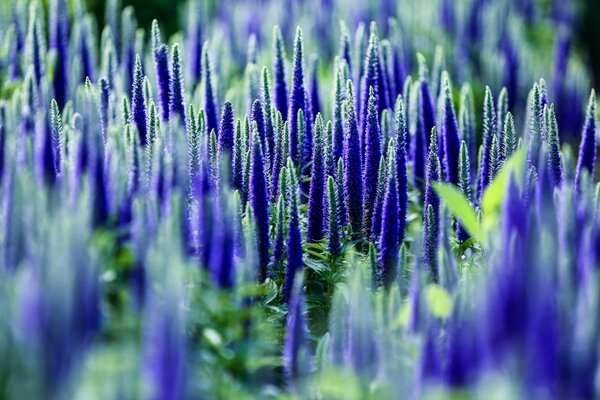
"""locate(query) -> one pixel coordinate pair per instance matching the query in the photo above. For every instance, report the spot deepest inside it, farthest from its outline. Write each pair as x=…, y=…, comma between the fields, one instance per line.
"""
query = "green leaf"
x=315, y=254
x=315, y=265
x=459, y=205
x=495, y=193
x=438, y=300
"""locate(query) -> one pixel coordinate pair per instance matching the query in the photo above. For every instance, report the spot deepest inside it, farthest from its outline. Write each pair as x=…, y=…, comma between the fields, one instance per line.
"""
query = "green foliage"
x=460, y=206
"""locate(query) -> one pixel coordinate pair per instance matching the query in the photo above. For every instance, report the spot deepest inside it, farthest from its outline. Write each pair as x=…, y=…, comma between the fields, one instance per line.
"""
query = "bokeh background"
x=171, y=14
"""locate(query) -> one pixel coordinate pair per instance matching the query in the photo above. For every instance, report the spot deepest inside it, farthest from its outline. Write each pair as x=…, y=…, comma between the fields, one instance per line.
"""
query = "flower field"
x=313, y=199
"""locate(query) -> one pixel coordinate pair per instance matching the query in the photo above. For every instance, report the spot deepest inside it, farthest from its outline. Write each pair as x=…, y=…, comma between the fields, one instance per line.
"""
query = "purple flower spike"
x=371, y=164
x=587, y=149
x=294, y=239
x=353, y=186
x=280, y=95
x=297, y=96
x=260, y=204
x=227, y=130
x=210, y=108
x=138, y=106
x=161, y=64
x=257, y=118
x=450, y=134
x=401, y=126
x=176, y=100
x=316, y=205
x=390, y=229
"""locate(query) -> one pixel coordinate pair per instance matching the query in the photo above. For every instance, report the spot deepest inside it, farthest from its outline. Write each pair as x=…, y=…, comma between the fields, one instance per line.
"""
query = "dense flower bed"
x=397, y=205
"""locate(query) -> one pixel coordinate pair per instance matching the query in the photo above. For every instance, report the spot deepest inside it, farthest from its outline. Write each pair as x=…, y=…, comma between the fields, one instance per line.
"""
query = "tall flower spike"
x=401, y=166
x=280, y=95
x=509, y=137
x=258, y=117
x=56, y=129
x=535, y=120
x=451, y=139
x=260, y=204
x=489, y=127
x=464, y=183
x=294, y=240
x=300, y=150
x=279, y=243
x=153, y=129
x=194, y=150
x=210, y=107
x=333, y=218
x=390, y=229
x=381, y=181
x=308, y=132
x=177, y=96
x=105, y=97
x=339, y=182
x=371, y=80
x=371, y=164
x=297, y=96
x=237, y=167
x=338, y=124
x=283, y=183
x=353, y=184
x=138, y=114
x=213, y=157
x=430, y=242
x=587, y=149
x=227, y=129
x=553, y=139
x=495, y=161
x=161, y=64
x=501, y=110
x=269, y=116
x=279, y=153
x=329, y=160
x=316, y=206
x=433, y=174
x=246, y=176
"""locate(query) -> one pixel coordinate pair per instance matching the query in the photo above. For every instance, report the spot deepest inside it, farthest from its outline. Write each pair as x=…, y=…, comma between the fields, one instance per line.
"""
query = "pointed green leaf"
x=494, y=194
x=459, y=205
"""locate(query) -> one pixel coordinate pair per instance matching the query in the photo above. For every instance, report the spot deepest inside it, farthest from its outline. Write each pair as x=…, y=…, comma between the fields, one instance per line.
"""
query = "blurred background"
x=171, y=14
